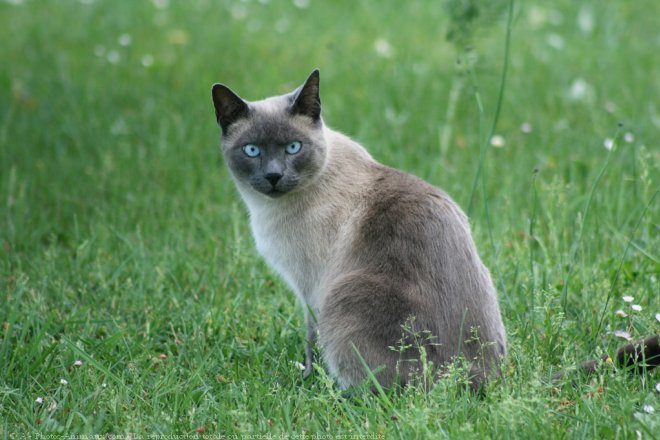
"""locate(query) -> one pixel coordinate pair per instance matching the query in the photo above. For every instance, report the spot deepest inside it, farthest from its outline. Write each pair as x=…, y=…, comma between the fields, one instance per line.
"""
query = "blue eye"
x=293, y=147
x=251, y=150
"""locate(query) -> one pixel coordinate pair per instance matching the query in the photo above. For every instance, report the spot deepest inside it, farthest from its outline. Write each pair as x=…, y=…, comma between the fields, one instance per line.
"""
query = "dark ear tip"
x=217, y=87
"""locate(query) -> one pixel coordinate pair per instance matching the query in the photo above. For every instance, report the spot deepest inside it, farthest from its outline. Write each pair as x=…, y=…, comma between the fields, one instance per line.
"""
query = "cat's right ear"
x=229, y=107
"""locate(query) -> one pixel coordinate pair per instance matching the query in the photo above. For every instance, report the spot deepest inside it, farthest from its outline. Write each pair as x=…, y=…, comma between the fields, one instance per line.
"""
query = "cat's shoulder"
x=404, y=197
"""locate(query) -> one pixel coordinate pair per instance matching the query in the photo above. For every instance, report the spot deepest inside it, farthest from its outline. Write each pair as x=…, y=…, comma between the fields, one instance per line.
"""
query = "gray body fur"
x=366, y=248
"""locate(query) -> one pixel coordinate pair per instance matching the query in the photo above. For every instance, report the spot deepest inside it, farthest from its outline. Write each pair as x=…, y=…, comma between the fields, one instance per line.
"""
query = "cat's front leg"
x=310, y=321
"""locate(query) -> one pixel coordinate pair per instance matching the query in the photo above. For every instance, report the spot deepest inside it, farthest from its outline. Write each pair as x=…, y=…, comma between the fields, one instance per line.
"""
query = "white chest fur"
x=296, y=240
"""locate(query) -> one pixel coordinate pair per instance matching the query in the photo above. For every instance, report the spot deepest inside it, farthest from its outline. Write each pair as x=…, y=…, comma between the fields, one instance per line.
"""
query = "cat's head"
x=276, y=145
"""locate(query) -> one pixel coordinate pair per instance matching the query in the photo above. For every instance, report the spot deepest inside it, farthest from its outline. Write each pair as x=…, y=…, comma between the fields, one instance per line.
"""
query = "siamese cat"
x=376, y=257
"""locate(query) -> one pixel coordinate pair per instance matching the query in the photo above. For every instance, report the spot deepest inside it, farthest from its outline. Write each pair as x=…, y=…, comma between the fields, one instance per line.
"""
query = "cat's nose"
x=273, y=178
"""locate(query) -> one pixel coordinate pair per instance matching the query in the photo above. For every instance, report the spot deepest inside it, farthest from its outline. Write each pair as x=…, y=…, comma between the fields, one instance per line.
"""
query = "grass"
x=124, y=245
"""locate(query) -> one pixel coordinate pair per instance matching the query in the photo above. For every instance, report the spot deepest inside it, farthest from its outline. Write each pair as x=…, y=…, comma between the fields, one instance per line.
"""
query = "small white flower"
x=125, y=40
x=40, y=400
x=78, y=363
x=113, y=57
x=580, y=90
x=648, y=409
x=608, y=143
x=657, y=387
x=497, y=141
x=537, y=16
x=555, y=41
x=657, y=317
x=628, y=299
x=636, y=307
x=301, y=4
x=621, y=313
x=526, y=127
x=585, y=20
x=629, y=137
x=383, y=48
x=622, y=334
x=147, y=60
x=64, y=382
x=104, y=385
x=299, y=365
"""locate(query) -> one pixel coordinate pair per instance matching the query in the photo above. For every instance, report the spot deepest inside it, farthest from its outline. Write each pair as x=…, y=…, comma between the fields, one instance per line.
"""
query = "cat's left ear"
x=307, y=101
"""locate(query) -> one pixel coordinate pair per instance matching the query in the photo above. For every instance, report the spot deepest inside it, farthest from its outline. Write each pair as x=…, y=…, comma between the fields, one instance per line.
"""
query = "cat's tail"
x=636, y=357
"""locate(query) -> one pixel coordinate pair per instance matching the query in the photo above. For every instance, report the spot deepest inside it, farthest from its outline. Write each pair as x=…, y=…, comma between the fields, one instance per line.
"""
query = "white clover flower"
x=301, y=4
x=40, y=400
x=580, y=90
x=383, y=48
x=657, y=387
x=629, y=137
x=113, y=57
x=585, y=20
x=147, y=60
x=648, y=409
x=555, y=41
x=64, y=382
x=299, y=365
x=628, y=299
x=608, y=143
x=622, y=334
x=621, y=313
x=78, y=363
x=125, y=40
x=636, y=307
x=657, y=317
x=497, y=141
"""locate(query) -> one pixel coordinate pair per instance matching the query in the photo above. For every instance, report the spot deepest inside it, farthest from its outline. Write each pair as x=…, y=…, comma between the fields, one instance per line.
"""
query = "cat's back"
x=401, y=212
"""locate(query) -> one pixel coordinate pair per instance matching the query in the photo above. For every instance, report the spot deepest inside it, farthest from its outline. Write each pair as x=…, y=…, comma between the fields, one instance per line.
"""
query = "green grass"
x=123, y=243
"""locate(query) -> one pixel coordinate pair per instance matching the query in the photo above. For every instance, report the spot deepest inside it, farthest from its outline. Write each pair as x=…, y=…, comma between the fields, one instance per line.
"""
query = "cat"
x=376, y=256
